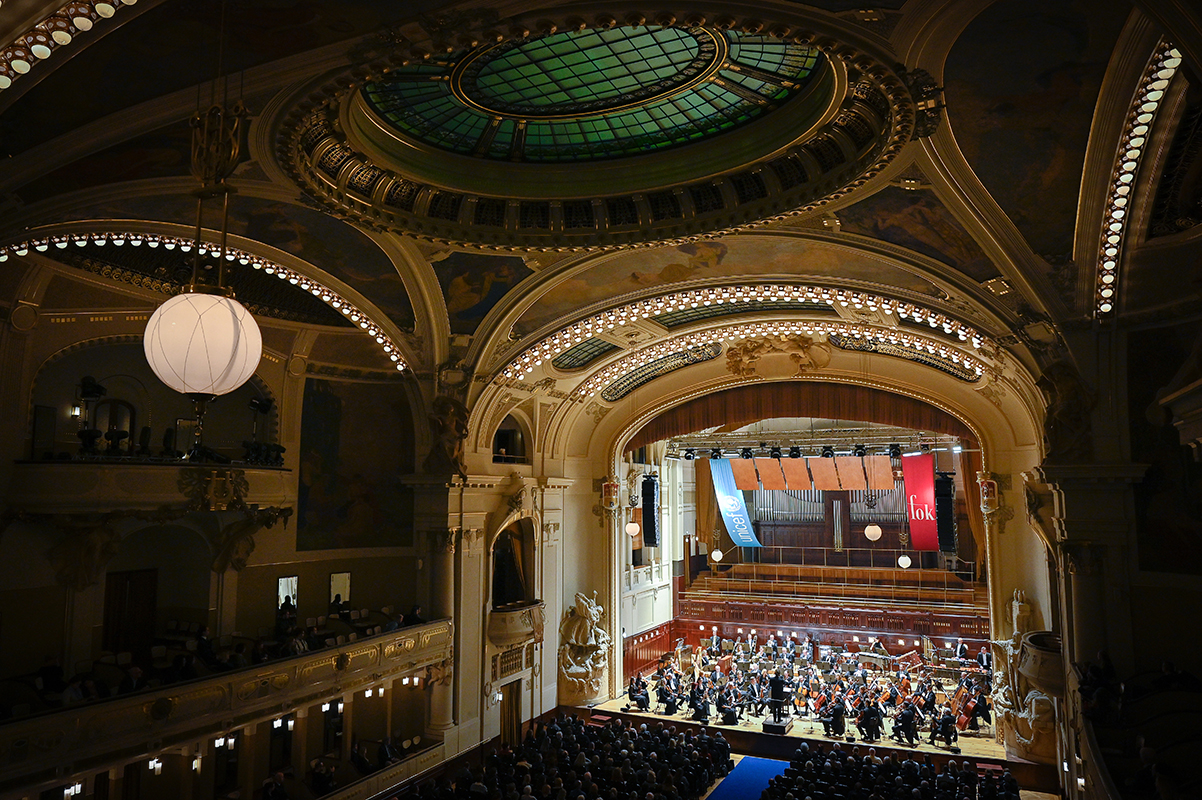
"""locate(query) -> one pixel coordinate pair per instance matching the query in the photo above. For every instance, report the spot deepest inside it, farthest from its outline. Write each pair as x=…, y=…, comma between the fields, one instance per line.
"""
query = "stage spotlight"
x=794, y=452
x=828, y=452
x=774, y=452
x=859, y=450
x=716, y=452
x=689, y=454
x=895, y=451
x=745, y=453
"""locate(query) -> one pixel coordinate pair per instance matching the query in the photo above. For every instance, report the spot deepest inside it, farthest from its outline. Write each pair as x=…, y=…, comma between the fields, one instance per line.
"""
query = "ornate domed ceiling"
x=591, y=134
x=592, y=94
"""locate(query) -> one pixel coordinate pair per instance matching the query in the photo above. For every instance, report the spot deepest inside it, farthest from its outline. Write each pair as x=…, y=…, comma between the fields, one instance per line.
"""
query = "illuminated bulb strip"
x=756, y=330
x=318, y=290
x=1160, y=70
x=51, y=34
x=750, y=295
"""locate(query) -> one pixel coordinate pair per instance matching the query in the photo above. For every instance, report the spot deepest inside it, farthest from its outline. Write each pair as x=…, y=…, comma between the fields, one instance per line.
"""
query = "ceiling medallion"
x=584, y=135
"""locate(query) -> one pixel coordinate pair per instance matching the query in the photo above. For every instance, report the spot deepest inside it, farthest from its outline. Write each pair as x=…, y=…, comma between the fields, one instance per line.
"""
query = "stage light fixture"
x=689, y=454
x=859, y=450
x=774, y=452
x=716, y=452
x=895, y=451
x=828, y=452
x=745, y=453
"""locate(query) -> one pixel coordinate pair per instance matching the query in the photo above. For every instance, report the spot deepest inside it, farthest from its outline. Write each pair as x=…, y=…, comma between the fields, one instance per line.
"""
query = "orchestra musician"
x=985, y=659
x=905, y=724
x=961, y=650
x=636, y=692
x=832, y=719
x=869, y=722
x=943, y=725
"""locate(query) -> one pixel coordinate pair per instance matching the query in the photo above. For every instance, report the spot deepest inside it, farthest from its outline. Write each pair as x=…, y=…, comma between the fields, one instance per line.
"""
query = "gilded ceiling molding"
x=752, y=297
x=343, y=153
x=1161, y=68
x=330, y=297
x=52, y=34
x=911, y=342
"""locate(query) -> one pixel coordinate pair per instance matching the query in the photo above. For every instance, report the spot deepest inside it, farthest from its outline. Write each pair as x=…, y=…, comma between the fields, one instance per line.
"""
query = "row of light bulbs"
x=910, y=341
x=55, y=31
x=1133, y=145
x=572, y=335
x=232, y=254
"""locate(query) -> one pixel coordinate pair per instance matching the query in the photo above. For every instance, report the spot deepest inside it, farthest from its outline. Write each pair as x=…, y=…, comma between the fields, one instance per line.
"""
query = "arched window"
x=509, y=443
x=512, y=562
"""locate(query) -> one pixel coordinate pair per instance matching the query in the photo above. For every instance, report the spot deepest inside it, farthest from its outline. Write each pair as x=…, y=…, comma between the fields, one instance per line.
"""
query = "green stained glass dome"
x=592, y=94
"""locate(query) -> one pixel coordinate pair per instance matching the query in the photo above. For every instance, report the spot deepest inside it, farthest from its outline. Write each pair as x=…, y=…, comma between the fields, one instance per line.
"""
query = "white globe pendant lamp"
x=716, y=555
x=202, y=343
x=904, y=561
x=872, y=532
x=632, y=529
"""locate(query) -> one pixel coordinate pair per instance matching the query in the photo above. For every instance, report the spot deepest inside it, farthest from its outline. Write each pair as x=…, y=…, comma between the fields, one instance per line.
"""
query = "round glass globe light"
x=203, y=344
x=632, y=529
x=716, y=555
x=872, y=532
x=904, y=562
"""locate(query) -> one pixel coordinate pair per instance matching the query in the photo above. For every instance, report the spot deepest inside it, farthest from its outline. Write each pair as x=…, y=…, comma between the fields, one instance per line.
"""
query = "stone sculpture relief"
x=583, y=650
x=805, y=354
x=1026, y=716
x=448, y=424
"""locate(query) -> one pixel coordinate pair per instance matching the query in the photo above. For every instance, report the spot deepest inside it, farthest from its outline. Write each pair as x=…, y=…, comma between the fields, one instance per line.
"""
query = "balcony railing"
x=90, y=737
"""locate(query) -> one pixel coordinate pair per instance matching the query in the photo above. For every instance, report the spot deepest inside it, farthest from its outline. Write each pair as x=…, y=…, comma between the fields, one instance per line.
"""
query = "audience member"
x=415, y=617
x=133, y=681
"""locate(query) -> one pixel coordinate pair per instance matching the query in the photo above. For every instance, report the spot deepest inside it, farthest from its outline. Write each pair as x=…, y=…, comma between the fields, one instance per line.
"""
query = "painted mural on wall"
x=473, y=283
x=1021, y=83
x=349, y=494
x=1168, y=500
x=752, y=255
x=327, y=243
x=918, y=221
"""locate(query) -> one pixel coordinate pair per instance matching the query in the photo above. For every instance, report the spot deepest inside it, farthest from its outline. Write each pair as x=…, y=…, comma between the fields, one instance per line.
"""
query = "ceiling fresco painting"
x=325, y=242
x=473, y=283
x=1021, y=83
x=181, y=40
x=918, y=221
x=731, y=257
x=160, y=154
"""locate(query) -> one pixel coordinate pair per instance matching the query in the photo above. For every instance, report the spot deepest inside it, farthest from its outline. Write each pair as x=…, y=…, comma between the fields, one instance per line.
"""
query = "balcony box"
x=516, y=623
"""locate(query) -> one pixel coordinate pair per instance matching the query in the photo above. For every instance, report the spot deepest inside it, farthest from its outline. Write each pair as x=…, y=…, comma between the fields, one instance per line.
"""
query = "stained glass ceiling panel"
x=592, y=94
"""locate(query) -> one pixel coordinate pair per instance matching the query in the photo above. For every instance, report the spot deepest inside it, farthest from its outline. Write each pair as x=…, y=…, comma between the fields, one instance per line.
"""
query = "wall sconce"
x=219, y=741
x=76, y=411
x=277, y=724
x=156, y=765
x=368, y=693
x=325, y=707
x=291, y=724
x=404, y=681
x=229, y=743
x=196, y=764
x=380, y=691
x=339, y=706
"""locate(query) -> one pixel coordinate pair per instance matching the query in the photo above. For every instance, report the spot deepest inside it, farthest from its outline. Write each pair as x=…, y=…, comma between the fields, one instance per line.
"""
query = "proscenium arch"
x=1007, y=424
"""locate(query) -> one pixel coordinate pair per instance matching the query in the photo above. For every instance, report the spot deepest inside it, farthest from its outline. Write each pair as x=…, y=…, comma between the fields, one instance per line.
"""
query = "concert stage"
x=748, y=737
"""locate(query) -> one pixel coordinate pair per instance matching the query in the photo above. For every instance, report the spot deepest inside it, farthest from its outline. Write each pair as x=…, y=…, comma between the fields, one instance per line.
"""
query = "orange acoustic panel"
x=826, y=479
x=796, y=474
x=770, y=475
x=744, y=472
x=851, y=472
x=880, y=473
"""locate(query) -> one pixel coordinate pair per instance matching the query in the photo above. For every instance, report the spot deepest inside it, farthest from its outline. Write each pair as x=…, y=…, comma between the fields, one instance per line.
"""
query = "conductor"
x=776, y=696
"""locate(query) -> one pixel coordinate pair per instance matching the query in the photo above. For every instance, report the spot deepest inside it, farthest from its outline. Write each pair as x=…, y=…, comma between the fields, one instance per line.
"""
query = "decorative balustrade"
x=90, y=737
x=516, y=623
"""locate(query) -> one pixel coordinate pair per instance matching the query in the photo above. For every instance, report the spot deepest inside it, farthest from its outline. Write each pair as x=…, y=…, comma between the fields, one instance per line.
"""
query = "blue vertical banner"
x=730, y=503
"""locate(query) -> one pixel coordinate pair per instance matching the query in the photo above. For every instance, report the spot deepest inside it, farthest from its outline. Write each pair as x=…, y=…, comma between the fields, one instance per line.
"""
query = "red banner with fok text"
x=918, y=473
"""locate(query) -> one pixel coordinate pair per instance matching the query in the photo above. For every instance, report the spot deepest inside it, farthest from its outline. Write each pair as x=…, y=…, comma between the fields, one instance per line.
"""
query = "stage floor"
x=971, y=744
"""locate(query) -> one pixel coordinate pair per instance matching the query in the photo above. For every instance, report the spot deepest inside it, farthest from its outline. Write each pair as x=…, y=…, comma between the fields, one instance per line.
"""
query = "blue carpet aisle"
x=748, y=779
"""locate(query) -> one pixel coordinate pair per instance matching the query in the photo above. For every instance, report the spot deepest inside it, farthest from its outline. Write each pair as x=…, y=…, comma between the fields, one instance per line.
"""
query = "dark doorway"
x=130, y=606
x=511, y=713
